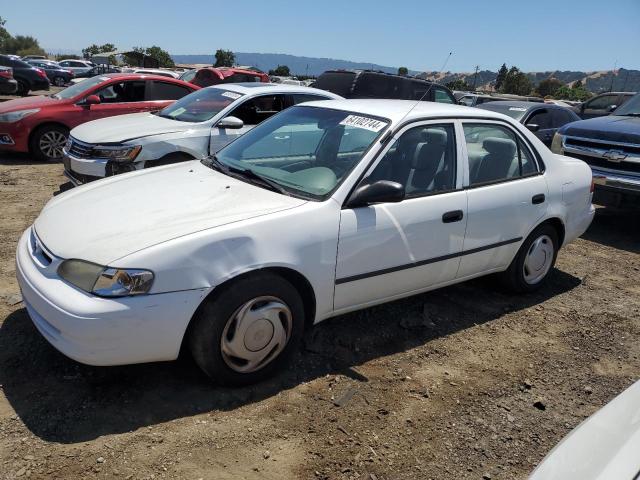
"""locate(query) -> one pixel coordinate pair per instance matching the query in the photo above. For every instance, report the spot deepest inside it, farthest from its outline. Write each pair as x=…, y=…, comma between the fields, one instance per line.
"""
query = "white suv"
x=76, y=66
x=194, y=127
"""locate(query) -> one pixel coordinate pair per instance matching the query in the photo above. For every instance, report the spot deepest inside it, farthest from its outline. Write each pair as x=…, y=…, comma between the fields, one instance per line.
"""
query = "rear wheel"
x=58, y=81
x=23, y=88
x=249, y=329
x=47, y=142
x=535, y=259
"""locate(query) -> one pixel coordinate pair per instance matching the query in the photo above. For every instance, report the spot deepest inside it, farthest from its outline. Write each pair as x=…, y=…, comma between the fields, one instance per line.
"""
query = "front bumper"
x=84, y=170
x=14, y=136
x=616, y=189
x=101, y=331
x=8, y=87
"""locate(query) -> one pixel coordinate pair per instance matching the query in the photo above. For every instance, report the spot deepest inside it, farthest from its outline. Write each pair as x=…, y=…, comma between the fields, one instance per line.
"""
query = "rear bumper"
x=40, y=85
x=100, y=331
x=8, y=87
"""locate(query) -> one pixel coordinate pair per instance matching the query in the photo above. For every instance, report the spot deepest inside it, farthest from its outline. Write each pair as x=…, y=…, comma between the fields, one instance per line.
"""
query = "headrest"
x=436, y=136
x=500, y=146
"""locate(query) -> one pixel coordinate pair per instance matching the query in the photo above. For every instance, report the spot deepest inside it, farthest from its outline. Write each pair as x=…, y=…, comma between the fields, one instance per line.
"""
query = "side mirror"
x=91, y=100
x=611, y=108
x=382, y=191
x=230, y=122
x=534, y=127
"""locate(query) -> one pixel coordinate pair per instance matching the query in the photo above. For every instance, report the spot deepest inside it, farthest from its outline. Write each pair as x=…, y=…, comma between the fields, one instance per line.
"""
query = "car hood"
x=604, y=446
x=27, y=103
x=122, y=128
x=109, y=219
x=614, y=128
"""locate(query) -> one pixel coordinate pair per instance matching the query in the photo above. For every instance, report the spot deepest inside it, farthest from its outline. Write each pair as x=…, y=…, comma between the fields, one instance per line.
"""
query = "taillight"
x=41, y=73
x=71, y=73
x=6, y=73
x=593, y=185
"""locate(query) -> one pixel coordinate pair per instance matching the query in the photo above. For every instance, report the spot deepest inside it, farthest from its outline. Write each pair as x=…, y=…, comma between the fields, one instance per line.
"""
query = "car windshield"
x=512, y=111
x=79, y=88
x=632, y=107
x=307, y=151
x=200, y=106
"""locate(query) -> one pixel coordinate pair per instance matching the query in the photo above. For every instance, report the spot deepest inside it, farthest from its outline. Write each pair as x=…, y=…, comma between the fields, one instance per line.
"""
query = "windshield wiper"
x=632, y=114
x=215, y=164
x=264, y=181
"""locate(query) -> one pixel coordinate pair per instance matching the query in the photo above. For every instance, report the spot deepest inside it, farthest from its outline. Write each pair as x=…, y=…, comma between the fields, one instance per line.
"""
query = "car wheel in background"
x=535, y=259
x=58, y=81
x=47, y=142
x=23, y=88
x=248, y=329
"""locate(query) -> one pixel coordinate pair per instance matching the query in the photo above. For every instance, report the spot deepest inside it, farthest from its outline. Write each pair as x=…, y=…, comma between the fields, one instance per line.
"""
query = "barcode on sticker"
x=363, y=122
x=231, y=95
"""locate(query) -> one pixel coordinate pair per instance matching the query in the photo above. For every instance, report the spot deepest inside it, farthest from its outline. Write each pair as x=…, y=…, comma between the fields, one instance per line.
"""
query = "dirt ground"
x=463, y=383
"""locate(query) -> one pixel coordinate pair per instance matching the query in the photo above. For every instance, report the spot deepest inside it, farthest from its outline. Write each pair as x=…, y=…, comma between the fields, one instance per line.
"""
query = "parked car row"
x=27, y=76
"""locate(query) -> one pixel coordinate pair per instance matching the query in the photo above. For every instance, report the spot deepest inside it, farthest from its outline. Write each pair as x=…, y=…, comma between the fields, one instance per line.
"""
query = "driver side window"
x=123, y=92
x=423, y=160
x=258, y=109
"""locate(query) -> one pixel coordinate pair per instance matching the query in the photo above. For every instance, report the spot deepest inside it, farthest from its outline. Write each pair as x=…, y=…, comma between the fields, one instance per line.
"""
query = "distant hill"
x=297, y=65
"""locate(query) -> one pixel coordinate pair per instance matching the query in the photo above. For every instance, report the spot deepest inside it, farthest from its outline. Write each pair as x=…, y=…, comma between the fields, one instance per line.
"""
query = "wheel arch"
x=557, y=224
x=46, y=124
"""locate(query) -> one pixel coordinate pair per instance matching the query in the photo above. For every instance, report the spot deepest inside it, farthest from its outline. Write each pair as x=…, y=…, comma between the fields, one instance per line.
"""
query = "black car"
x=372, y=84
x=8, y=84
x=611, y=147
x=27, y=76
x=602, y=104
x=98, y=70
x=543, y=119
x=56, y=74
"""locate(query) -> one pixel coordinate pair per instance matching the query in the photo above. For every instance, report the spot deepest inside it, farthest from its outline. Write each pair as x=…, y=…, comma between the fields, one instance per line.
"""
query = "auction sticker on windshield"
x=364, y=122
x=232, y=95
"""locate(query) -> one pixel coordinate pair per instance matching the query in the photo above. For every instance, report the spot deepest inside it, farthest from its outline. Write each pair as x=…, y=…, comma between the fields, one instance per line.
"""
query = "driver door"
x=390, y=250
x=117, y=98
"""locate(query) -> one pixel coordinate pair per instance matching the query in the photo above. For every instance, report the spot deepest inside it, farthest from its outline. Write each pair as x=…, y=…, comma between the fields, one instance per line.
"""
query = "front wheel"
x=535, y=259
x=47, y=142
x=23, y=88
x=59, y=82
x=248, y=329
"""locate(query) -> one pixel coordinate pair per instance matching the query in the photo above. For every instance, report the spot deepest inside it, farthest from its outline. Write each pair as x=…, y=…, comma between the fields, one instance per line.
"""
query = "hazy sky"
x=419, y=34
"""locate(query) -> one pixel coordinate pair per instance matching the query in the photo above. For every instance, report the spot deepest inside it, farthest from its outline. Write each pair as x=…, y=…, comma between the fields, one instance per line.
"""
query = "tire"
x=46, y=142
x=59, y=81
x=530, y=268
x=23, y=88
x=223, y=353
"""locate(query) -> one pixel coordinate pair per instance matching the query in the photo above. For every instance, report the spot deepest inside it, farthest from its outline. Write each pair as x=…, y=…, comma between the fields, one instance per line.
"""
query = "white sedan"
x=194, y=127
x=234, y=256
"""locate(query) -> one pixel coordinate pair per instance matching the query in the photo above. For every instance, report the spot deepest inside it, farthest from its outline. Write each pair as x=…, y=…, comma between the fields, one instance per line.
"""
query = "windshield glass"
x=632, y=107
x=305, y=150
x=79, y=88
x=512, y=111
x=200, y=106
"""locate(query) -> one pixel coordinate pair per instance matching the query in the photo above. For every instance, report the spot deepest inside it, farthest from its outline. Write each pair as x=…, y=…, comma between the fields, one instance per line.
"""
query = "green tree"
x=459, y=84
x=23, y=45
x=4, y=36
x=403, y=71
x=67, y=56
x=516, y=83
x=96, y=49
x=548, y=87
x=280, y=71
x=225, y=58
x=502, y=75
x=162, y=56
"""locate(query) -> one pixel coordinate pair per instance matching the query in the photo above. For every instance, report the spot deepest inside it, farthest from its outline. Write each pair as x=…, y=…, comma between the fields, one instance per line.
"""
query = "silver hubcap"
x=538, y=260
x=256, y=334
x=51, y=144
x=59, y=81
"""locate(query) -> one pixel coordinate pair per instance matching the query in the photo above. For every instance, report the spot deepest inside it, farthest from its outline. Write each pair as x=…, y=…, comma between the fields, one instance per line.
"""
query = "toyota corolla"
x=234, y=256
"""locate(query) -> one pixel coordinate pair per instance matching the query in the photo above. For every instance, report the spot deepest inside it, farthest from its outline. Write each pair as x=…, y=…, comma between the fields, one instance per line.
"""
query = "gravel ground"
x=464, y=382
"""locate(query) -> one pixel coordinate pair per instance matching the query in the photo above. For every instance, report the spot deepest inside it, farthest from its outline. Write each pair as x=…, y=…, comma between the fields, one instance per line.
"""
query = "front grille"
x=630, y=150
x=79, y=149
x=631, y=167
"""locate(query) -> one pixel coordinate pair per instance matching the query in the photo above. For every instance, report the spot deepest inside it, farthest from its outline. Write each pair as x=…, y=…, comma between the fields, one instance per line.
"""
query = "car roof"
x=517, y=103
x=397, y=110
x=259, y=87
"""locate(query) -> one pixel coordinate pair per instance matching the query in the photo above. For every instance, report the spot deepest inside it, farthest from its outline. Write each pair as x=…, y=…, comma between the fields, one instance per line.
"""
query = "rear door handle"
x=453, y=216
x=536, y=199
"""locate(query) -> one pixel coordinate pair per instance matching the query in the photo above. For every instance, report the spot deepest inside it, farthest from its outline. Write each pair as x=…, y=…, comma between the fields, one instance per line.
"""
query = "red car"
x=40, y=125
x=207, y=76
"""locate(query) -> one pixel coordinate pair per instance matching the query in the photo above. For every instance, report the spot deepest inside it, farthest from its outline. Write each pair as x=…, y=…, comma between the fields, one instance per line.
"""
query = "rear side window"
x=305, y=97
x=168, y=91
x=495, y=154
x=241, y=78
x=336, y=82
x=542, y=118
x=560, y=117
x=371, y=85
x=442, y=96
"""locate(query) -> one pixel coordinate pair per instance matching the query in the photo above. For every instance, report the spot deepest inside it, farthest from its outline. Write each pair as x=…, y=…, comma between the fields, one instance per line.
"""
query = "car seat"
x=498, y=163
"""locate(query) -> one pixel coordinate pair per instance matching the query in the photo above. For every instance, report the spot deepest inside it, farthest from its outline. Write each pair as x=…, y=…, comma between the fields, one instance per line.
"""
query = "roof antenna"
x=427, y=90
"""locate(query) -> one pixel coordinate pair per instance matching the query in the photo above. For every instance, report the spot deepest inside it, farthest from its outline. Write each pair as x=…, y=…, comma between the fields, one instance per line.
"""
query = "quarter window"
x=423, y=159
x=496, y=154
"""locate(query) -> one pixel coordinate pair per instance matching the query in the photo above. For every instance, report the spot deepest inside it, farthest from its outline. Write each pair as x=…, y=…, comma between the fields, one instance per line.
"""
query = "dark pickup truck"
x=611, y=147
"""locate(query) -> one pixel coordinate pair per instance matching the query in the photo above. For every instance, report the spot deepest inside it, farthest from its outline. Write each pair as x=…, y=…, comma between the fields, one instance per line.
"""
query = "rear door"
x=507, y=195
x=252, y=111
x=159, y=94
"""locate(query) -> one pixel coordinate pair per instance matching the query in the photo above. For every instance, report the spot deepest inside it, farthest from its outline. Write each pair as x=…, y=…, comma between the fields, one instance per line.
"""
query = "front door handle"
x=453, y=216
x=537, y=199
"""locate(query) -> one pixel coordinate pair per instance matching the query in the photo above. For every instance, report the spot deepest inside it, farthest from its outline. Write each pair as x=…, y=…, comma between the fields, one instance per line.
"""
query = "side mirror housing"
x=534, y=127
x=91, y=100
x=230, y=122
x=382, y=191
x=611, y=108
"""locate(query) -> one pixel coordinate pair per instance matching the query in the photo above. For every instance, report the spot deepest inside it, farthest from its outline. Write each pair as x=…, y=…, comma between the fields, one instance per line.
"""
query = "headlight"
x=106, y=281
x=12, y=117
x=556, y=144
x=119, y=154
